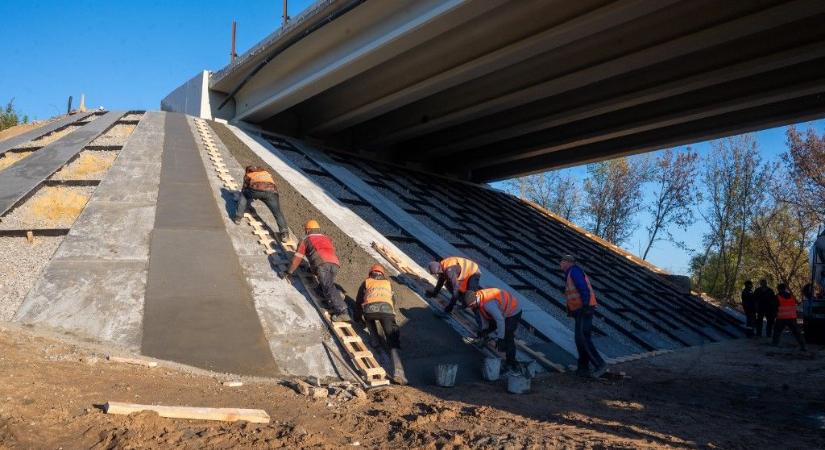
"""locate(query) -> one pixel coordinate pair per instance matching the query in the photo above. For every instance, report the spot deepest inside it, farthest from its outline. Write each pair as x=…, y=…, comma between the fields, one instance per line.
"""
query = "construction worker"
x=749, y=307
x=320, y=252
x=766, y=306
x=786, y=316
x=581, y=305
x=462, y=277
x=500, y=313
x=375, y=302
x=259, y=184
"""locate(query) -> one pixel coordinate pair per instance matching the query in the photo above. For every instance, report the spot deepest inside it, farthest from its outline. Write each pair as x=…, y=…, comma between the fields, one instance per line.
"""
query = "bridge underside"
x=487, y=89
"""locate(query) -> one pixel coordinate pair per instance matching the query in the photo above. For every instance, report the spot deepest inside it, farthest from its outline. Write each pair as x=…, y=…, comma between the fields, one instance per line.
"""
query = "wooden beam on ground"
x=189, y=412
x=134, y=361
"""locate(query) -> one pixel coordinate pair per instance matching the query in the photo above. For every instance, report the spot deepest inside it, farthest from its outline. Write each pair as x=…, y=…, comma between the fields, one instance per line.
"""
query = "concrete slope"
x=198, y=308
x=94, y=285
x=14, y=141
x=426, y=340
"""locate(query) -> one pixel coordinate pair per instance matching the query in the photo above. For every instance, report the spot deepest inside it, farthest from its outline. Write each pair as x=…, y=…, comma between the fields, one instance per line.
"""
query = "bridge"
x=489, y=89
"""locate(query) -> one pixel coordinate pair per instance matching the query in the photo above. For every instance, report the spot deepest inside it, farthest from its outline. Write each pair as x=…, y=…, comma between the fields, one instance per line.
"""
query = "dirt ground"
x=738, y=394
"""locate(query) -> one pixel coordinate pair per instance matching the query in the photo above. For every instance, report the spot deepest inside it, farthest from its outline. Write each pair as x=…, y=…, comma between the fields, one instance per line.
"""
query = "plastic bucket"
x=518, y=384
x=445, y=374
x=491, y=369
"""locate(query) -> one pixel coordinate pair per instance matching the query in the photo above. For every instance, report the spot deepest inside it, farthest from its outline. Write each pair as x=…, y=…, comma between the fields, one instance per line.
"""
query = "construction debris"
x=134, y=361
x=188, y=412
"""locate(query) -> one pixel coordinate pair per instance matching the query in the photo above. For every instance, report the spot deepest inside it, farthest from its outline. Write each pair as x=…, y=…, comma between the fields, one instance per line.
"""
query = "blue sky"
x=129, y=55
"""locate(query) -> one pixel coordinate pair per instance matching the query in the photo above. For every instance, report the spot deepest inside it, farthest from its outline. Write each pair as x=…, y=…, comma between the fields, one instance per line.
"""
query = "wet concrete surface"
x=426, y=340
x=198, y=308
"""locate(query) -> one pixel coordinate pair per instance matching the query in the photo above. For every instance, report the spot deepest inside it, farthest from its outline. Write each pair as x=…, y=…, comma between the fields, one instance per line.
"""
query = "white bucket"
x=518, y=384
x=445, y=374
x=533, y=369
x=491, y=369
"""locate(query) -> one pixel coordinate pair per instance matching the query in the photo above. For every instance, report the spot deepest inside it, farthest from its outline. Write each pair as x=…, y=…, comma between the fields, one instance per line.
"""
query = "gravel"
x=115, y=136
x=20, y=266
x=49, y=138
x=40, y=210
x=132, y=116
x=89, y=165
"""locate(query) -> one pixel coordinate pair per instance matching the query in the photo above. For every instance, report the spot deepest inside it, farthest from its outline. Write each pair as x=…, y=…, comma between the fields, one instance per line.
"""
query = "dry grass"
x=49, y=138
x=90, y=165
x=116, y=135
x=12, y=157
x=22, y=128
x=55, y=204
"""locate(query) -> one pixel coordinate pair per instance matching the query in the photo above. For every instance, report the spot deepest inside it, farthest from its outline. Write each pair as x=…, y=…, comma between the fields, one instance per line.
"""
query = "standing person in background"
x=766, y=306
x=259, y=184
x=375, y=301
x=786, y=316
x=581, y=303
x=749, y=307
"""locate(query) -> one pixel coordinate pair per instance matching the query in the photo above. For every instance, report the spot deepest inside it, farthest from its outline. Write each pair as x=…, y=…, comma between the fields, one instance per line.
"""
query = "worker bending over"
x=259, y=184
x=786, y=316
x=500, y=313
x=462, y=277
x=320, y=252
x=581, y=305
x=375, y=302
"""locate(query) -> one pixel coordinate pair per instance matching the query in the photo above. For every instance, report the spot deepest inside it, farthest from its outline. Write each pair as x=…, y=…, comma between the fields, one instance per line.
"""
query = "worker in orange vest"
x=500, y=314
x=375, y=301
x=462, y=277
x=786, y=316
x=581, y=304
x=259, y=184
x=320, y=252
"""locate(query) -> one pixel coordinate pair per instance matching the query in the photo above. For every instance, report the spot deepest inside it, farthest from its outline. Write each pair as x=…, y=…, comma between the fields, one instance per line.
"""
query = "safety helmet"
x=377, y=268
x=311, y=224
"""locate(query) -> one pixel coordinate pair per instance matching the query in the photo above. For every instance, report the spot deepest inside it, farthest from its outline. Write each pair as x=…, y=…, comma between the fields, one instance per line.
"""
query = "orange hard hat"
x=378, y=268
x=312, y=224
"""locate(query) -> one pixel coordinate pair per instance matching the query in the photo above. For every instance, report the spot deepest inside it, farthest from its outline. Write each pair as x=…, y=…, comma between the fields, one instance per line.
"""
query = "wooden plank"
x=134, y=361
x=189, y=412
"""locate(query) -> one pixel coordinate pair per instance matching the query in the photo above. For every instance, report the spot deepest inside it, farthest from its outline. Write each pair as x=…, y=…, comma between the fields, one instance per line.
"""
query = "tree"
x=673, y=175
x=735, y=183
x=560, y=193
x=9, y=117
x=613, y=196
x=805, y=163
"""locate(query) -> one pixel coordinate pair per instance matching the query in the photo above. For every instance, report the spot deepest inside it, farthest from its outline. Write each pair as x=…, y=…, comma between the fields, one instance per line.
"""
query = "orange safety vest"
x=574, y=298
x=261, y=180
x=468, y=269
x=787, y=308
x=376, y=291
x=507, y=303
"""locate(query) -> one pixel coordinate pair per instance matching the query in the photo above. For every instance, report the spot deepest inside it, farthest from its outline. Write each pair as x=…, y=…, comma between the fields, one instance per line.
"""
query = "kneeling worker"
x=500, y=313
x=375, y=300
x=259, y=184
x=320, y=252
x=462, y=277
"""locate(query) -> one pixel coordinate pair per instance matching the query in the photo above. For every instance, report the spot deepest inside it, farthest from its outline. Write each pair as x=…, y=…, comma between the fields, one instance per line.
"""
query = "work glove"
x=286, y=276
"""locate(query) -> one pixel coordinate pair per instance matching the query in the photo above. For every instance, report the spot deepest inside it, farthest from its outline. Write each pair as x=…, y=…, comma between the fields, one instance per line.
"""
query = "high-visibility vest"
x=507, y=303
x=261, y=180
x=574, y=298
x=787, y=307
x=468, y=269
x=376, y=291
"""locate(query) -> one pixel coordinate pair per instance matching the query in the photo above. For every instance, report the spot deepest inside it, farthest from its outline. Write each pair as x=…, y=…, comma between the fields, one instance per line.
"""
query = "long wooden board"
x=190, y=412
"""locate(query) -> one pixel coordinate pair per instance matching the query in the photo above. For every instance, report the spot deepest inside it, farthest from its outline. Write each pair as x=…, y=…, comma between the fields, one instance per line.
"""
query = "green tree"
x=613, y=196
x=9, y=117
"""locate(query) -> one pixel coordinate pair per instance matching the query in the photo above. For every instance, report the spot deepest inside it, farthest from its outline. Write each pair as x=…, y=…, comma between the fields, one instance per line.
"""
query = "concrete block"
x=110, y=231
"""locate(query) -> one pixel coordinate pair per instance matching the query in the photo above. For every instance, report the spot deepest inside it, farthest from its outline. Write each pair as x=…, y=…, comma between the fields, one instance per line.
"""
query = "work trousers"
x=388, y=325
x=326, y=273
x=750, y=321
x=270, y=199
x=510, y=327
x=790, y=323
x=769, y=320
x=584, y=340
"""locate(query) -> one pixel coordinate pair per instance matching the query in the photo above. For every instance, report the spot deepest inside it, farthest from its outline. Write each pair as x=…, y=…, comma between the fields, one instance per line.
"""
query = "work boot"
x=397, y=368
x=599, y=371
x=341, y=317
x=236, y=220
